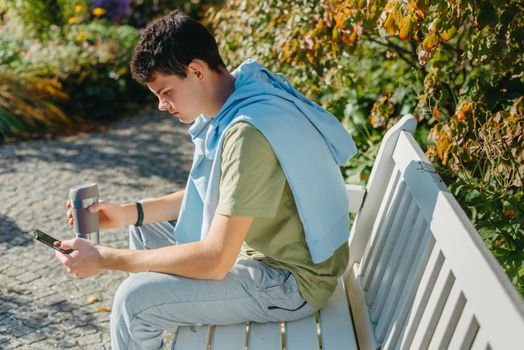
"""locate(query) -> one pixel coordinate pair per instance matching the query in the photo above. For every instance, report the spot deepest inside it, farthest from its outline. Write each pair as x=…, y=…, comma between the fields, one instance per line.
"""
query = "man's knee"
x=131, y=295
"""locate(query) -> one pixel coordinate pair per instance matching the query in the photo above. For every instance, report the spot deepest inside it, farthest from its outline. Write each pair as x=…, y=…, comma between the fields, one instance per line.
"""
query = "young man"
x=259, y=231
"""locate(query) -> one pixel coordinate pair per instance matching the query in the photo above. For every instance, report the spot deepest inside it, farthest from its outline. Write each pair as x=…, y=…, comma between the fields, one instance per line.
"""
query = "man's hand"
x=84, y=261
x=111, y=215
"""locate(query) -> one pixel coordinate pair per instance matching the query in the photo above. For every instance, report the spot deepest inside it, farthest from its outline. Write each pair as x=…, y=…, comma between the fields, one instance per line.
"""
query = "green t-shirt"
x=253, y=184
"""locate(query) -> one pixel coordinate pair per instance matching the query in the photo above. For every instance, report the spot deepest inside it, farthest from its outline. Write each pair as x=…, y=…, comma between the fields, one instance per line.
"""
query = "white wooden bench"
x=419, y=275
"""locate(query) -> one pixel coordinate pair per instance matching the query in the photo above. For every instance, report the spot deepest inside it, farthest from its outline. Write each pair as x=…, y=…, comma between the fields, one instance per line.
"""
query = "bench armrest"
x=356, y=194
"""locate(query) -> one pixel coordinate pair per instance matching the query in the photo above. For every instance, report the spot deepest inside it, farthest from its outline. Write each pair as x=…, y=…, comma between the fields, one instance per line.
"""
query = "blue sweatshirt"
x=309, y=142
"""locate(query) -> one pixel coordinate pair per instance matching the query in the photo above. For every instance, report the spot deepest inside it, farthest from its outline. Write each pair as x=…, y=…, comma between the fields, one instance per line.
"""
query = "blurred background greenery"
x=456, y=65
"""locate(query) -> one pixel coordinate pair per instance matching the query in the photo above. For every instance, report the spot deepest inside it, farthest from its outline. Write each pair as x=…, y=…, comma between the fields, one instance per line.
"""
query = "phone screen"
x=50, y=241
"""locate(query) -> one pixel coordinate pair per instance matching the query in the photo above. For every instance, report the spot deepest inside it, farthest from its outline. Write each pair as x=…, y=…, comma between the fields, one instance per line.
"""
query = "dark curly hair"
x=169, y=44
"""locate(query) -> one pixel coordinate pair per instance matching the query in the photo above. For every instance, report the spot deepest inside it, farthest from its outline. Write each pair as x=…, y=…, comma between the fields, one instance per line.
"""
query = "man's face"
x=182, y=97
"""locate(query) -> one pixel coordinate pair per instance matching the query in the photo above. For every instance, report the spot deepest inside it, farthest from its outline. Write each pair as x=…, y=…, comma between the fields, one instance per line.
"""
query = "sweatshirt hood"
x=256, y=84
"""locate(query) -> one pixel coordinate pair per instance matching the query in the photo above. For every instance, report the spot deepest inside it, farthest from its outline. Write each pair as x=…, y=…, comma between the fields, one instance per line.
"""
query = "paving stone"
x=147, y=155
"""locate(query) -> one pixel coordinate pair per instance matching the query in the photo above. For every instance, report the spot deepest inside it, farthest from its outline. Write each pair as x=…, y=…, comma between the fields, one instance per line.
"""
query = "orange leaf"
x=509, y=213
x=102, y=309
x=436, y=112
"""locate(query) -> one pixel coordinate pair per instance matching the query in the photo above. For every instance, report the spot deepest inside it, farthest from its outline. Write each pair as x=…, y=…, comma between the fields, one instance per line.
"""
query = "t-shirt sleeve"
x=252, y=181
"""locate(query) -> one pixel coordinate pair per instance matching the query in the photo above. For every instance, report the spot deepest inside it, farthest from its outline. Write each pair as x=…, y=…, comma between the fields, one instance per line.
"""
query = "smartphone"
x=50, y=241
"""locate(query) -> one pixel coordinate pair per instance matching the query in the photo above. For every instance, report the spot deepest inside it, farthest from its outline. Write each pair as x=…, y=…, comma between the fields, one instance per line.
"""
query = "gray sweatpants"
x=148, y=303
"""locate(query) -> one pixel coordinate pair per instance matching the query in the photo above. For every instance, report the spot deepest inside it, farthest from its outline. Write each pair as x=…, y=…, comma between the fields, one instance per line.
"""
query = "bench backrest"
x=419, y=274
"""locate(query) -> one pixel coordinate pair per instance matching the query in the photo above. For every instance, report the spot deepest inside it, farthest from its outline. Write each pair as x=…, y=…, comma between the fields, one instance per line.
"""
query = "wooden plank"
x=302, y=334
x=465, y=331
x=264, y=336
x=401, y=283
x=448, y=319
x=336, y=327
x=383, y=255
x=433, y=309
x=359, y=311
x=232, y=337
x=392, y=197
x=391, y=267
x=191, y=337
x=407, y=303
x=423, y=291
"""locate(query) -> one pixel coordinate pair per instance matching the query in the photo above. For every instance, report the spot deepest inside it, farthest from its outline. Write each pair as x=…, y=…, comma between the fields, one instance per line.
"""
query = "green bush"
x=86, y=60
x=456, y=65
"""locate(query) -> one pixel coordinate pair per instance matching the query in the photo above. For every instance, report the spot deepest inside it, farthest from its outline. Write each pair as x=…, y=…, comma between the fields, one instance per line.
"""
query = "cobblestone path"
x=41, y=306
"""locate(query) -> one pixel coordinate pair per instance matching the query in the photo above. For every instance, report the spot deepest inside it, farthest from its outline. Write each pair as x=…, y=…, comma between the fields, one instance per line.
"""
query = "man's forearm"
x=162, y=208
x=193, y=260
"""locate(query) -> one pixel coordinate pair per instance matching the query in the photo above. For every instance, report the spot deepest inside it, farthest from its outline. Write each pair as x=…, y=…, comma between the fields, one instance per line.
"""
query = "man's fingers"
x=94, y=208
x=68, y=203
x=98, y=206
x=62, y=257
x=69, y=244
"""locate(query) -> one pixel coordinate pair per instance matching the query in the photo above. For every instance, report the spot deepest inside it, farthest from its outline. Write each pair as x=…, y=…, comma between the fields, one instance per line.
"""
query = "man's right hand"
x=111, y=215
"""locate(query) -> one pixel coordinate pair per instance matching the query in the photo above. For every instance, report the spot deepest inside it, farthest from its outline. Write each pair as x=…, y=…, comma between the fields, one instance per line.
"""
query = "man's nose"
x=163, y=105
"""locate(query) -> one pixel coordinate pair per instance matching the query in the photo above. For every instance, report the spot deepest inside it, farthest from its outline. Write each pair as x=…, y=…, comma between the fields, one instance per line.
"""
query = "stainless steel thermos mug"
x=86, y=224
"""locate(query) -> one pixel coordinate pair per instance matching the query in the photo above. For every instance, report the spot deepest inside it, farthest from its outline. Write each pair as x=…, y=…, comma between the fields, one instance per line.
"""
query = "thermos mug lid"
x=84, y=191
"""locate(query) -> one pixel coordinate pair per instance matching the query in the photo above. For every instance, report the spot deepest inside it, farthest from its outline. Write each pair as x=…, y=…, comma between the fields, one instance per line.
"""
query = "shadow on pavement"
x=142, y=146
x=61, y=323
x=11, y=235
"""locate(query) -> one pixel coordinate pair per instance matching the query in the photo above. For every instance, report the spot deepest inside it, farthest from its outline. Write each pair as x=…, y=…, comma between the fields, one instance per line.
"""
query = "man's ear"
x=198, y=68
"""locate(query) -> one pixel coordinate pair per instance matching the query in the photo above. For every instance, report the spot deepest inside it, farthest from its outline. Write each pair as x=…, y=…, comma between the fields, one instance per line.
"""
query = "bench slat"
x=392, y=196
x=481, y=341
x=422, y=294
x=434, y=306
x=399, y=243
x=400, y=279
x=405, y=305
x=465, y=331
x=336, y=327
x=302, y=334
x=384, y=254
x=448, y=319
x=231, y=337
x=264, y=336
x=191, y=337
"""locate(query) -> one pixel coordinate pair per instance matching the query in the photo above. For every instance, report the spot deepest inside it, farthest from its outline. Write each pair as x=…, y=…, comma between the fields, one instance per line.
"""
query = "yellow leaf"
x=81, y=36
x=430, y=41
x=448, y=34
x=390, y=25
x=91, y=299
x=72, y=20
x=405, y=28
x=78, y=8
